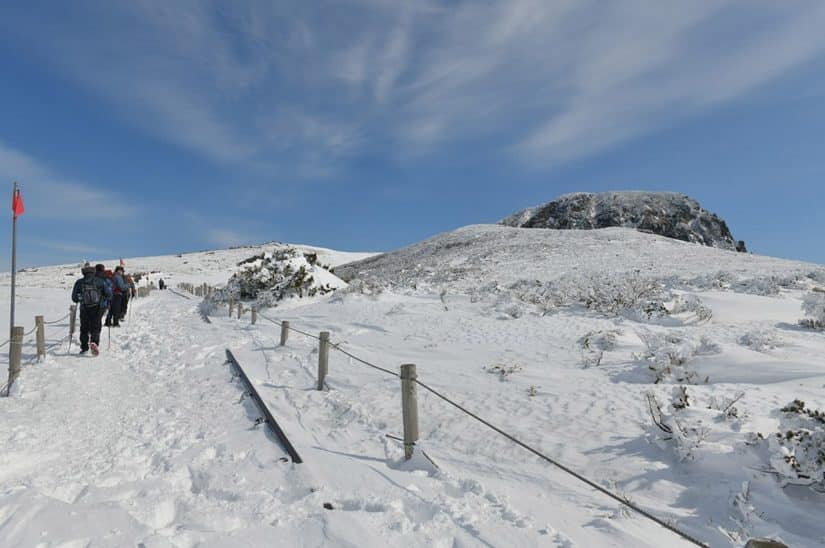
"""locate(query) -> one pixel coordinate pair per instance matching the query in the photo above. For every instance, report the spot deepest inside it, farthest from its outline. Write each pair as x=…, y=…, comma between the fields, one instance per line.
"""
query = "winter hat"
x=88, y=269
x=100, y=267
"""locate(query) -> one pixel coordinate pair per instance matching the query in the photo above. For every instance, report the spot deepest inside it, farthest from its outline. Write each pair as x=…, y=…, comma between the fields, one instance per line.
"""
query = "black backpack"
x=90, y=295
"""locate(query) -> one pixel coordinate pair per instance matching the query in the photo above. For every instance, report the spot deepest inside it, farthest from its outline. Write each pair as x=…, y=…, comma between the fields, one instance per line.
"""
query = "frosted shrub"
x=671, y=431
x=798, y=449
x=631, y=295
x=502, y=370
x=691, y=304
x=668, y=356
x=813, y=304
x=595, y=343
x=760, y=340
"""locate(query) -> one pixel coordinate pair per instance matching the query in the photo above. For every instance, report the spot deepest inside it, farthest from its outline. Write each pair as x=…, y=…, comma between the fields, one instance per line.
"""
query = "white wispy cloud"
x=50, y=196
x=302, y=88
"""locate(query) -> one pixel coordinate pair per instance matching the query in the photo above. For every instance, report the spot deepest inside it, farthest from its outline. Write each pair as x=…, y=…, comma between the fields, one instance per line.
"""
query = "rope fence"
x=411, y=379
x=19, y=340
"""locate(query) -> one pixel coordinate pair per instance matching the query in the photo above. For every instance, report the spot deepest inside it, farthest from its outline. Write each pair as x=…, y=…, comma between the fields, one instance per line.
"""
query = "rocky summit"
x=665, y=213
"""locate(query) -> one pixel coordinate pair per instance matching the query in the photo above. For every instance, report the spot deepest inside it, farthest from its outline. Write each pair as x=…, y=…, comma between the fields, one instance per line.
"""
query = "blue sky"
x=158, y=127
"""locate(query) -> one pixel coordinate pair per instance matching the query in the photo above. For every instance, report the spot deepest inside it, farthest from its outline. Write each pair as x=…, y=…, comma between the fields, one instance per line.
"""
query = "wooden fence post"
x=40, y=335
x=323, y=359
x=72, y=320
x=409, y=408
x=240, y=310
x=254, y=315
x=231, y=307
x=284, y=332
x=15, y=353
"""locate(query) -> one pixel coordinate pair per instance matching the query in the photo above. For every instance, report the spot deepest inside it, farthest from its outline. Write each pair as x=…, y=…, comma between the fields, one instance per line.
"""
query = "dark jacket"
x=107, y=298
x=105, y=290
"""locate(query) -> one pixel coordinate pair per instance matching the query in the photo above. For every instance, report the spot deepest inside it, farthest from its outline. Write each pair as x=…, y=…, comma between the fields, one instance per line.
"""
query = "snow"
x=153, y=444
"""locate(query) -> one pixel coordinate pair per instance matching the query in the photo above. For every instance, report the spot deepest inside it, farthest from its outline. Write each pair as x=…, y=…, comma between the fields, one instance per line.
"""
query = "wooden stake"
x=284, y=332
x=72, y=319
x=15, y=354
x=254, y=315
x=40, y=335
x=323, y=359
x=409, y=408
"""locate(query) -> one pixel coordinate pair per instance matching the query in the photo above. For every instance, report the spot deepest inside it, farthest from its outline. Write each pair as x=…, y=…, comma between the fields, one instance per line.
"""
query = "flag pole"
x=13, y=263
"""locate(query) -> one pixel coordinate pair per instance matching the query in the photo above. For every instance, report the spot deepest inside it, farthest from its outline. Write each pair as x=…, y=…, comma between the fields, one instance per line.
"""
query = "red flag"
x=17, y=204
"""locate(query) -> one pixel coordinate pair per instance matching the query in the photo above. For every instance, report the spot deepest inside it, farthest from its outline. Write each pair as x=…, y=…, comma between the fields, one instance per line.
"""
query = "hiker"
x=90, y=292
x=127, y=295
x=100, y=273
x=161, y=284
x=119, y=287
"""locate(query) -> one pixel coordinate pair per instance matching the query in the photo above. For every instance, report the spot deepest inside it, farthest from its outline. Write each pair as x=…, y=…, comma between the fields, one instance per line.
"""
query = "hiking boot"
x=83, y=351
x=94, y=348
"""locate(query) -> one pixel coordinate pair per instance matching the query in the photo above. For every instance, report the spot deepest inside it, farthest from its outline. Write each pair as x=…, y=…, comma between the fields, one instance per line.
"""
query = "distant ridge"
x=668, y=214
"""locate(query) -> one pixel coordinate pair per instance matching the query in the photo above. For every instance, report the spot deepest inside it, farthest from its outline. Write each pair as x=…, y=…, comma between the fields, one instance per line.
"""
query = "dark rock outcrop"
x=665, y=213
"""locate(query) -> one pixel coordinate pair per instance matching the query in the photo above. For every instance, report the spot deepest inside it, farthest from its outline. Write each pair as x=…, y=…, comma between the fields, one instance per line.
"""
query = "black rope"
x=518, y=442
x=563, y=467
x=368, y=364
x=58, y=321
x=310, y=335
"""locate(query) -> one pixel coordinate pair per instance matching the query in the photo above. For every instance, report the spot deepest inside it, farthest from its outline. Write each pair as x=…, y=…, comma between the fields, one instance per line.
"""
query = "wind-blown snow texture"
x=665, y=213
x=153, y=444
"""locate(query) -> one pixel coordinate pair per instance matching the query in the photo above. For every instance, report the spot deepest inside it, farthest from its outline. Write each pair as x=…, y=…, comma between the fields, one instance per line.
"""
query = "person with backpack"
x=127, y=295
x=90, y=292
x=119, y=287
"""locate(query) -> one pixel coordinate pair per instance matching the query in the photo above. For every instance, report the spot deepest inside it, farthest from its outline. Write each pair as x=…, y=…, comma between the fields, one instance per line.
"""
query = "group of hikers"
x=101, y=292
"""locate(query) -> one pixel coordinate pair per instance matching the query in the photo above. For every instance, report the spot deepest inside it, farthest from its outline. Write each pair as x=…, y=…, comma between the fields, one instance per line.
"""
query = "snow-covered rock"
x=666, y=213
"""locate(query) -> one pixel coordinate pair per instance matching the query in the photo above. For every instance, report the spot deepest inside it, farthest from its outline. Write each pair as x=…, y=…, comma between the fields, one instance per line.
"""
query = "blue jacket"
x=120, y=285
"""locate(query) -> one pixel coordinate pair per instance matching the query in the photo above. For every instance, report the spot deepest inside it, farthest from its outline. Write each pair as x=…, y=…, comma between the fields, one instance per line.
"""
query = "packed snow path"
x=148, y=445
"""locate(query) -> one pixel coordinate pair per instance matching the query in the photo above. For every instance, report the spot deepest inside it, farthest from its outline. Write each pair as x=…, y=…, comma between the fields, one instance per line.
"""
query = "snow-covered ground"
x=153, y=444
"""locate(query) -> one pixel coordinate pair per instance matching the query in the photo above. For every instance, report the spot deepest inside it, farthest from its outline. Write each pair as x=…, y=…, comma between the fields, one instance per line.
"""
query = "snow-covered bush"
x=284, y=273
x=629, y=295
x=667, y=356
x=760, y=340
x=726, y=406
x=813, y=304
x=670, y=431
x=798, y=449
x=502, y=370
x=717, y=280
x=595, y=343
x=691, y=304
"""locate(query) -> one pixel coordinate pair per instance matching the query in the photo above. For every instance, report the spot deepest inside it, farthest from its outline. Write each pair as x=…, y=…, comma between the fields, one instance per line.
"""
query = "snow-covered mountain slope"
x=154, y=444
x=481, y=254
x=665, y=213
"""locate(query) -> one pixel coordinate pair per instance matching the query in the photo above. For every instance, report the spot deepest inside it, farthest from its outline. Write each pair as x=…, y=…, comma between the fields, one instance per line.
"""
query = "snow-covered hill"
x=662, y=370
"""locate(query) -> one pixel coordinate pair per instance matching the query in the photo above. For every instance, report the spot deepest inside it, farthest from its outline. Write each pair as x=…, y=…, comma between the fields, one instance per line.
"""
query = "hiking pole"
x=109, y=344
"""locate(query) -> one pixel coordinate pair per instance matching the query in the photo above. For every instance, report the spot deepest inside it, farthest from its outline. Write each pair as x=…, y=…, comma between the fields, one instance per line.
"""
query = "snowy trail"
x=139, y=443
